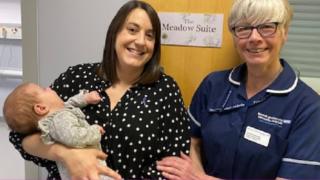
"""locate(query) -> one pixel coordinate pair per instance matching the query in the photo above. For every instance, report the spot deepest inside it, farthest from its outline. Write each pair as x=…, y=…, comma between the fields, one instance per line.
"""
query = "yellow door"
x=189, y=65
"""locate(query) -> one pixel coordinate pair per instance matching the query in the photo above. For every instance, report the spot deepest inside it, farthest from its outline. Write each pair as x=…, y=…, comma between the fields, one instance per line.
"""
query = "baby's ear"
x=41, y=109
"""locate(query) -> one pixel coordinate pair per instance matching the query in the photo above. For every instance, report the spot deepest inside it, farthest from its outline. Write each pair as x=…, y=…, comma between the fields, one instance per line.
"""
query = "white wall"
x=11, y=165
x=10, y=49
x=9, y=13
x=10, y=59
x=71, y=32
x=313, y=82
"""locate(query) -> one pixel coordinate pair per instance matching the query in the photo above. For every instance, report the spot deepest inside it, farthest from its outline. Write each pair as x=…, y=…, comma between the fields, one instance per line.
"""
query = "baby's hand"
x=93, y=97
x=102, y=131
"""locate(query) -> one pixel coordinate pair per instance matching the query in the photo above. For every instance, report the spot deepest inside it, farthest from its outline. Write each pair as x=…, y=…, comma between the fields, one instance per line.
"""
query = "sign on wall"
x=186, y=29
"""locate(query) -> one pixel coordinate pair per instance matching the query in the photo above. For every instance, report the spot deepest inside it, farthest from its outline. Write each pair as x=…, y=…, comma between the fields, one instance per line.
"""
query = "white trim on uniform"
x=286, y=90
x=231, y=80
x=298, y=161
x=194, y=119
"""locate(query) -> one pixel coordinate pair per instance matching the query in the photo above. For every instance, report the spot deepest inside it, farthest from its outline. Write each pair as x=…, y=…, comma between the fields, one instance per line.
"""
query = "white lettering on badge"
x=272, y=120
x=257, y=136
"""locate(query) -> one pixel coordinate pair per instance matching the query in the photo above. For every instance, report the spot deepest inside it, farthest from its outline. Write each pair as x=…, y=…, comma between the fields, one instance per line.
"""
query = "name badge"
x=257, y=136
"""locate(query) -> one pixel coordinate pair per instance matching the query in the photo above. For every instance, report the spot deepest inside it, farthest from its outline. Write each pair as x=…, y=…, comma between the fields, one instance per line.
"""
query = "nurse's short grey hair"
x=256, y=12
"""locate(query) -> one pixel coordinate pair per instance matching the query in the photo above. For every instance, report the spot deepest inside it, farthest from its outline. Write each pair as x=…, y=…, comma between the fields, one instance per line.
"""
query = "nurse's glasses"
x=265, y=30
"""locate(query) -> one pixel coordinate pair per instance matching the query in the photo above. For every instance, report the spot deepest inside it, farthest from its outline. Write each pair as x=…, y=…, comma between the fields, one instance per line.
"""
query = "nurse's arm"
x=185, y=167
x=195, y=153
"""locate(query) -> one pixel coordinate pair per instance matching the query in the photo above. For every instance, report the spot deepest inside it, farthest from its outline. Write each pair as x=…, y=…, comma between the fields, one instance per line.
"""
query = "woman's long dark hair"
x=152, y=69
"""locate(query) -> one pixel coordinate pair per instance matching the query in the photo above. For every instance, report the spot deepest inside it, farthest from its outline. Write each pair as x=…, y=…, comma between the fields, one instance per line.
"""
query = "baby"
x=30, y=108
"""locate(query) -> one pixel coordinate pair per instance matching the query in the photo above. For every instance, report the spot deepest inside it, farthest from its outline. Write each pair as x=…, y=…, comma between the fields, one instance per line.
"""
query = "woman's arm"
x=33, y=145
x=16, y=140
x=81, y=163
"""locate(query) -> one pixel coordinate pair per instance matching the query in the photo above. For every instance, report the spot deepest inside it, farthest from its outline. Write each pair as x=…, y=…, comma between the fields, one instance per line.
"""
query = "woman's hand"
x=84, y=164
x=181, y=168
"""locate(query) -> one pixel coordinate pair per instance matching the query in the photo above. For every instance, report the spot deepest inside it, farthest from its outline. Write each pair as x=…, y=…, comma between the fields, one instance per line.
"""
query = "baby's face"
x=47, y=95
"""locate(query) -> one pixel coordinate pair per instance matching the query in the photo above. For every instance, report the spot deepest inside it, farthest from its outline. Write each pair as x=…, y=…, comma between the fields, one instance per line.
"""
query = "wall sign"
x=204, y=30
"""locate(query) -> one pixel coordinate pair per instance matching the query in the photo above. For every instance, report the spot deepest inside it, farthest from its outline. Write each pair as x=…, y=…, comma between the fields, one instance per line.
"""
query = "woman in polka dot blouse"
x=141, y=110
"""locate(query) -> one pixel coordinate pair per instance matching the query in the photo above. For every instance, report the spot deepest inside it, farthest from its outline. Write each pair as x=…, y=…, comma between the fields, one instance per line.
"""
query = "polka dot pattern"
x=148, y=123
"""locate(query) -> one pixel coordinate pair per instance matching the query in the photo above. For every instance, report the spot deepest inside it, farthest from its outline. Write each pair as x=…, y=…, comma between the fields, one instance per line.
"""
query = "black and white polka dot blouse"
x=148, y=123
